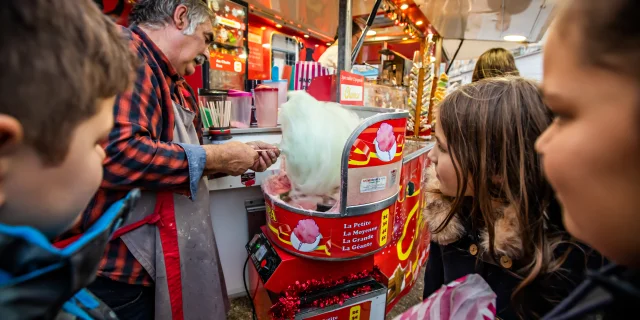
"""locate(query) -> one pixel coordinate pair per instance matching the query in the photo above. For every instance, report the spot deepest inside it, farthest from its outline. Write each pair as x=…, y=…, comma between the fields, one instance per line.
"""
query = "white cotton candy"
x=313, y=137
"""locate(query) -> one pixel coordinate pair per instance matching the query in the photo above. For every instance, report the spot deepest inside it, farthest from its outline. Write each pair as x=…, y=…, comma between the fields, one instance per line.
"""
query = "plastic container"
x=266, y=100
x=240, y=109
x=207, y=99
x=283, y=87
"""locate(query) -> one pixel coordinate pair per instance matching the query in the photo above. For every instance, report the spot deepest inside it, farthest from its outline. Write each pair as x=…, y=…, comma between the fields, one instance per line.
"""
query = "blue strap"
x=72, y=308
x=87, y=299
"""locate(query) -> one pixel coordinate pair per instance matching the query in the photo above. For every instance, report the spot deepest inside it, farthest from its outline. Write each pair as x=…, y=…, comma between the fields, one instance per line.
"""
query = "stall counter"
x=228, y=212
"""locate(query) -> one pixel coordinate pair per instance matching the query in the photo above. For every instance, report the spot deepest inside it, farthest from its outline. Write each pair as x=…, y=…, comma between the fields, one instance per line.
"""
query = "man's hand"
x=268, y=156
x=233, y=158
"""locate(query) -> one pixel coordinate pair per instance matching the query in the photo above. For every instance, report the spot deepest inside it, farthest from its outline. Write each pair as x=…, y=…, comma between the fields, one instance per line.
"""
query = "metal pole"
x=372, y=17
x=344, y=41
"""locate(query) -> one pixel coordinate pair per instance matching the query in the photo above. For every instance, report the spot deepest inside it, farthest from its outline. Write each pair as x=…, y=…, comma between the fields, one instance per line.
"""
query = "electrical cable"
x=246, y=288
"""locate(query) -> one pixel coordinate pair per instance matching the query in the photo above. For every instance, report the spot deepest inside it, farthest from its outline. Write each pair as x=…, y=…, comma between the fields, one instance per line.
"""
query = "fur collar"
x=507, y=240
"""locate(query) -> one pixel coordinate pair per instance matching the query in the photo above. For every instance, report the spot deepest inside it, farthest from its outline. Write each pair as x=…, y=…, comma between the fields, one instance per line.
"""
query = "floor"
x=241, y=309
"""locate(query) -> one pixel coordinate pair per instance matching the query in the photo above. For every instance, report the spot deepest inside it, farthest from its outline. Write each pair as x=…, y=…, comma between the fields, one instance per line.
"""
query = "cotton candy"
x=314, y=135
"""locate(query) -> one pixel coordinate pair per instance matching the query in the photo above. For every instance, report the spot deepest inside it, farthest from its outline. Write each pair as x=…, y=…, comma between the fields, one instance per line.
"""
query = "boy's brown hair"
x=57, y=58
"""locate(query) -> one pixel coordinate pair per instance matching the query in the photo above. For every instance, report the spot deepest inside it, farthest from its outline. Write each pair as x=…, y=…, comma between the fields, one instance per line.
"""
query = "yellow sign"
x=384, y=227
x=354, y=313
x=228, y=22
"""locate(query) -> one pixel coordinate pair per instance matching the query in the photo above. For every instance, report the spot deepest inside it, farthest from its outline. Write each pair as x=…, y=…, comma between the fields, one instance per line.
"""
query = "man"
x=168, y=256
x=329, y=59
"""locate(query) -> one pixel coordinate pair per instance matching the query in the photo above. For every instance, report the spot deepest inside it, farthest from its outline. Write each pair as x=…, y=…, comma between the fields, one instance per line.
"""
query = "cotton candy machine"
x=320, y=259
x=358, y=223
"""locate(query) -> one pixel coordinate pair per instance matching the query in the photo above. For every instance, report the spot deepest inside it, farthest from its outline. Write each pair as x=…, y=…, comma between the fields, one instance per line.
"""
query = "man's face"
x=192, y=46
x=52, y=198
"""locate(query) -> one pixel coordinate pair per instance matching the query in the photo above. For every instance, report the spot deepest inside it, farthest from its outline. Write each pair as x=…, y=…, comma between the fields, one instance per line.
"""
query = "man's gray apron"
x=203, y=288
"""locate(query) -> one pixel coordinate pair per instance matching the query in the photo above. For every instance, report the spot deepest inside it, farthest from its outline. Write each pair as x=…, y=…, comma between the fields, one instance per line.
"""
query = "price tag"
x=351, y=89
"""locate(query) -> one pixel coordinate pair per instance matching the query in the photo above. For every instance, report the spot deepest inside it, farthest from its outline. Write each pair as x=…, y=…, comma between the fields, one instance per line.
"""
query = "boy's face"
x=51, y=198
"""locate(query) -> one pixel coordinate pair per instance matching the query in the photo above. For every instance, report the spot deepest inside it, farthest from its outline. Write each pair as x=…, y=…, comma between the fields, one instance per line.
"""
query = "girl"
x=591, y=152
x=489, y=209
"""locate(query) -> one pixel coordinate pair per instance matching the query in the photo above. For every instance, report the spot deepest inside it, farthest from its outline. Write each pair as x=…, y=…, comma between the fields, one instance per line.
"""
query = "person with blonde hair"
x=496, y=62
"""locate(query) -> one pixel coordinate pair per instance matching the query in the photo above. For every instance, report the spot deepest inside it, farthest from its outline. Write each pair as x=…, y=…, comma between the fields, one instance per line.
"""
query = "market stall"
x=385, y=264
x=373, y=243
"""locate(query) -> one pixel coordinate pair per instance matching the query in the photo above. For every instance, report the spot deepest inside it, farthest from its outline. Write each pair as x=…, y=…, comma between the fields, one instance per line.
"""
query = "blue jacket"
x=40, y=281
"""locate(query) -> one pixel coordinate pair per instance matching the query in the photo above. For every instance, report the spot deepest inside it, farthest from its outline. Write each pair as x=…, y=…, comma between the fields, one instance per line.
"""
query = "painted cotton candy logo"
x=385, y=143
x=306, y=236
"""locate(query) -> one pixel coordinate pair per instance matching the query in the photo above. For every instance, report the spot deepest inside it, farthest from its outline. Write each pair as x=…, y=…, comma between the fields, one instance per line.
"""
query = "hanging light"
x=404, y=6
x=278, y=25
x=306, y=36
x=419, y=23
x=405, y=39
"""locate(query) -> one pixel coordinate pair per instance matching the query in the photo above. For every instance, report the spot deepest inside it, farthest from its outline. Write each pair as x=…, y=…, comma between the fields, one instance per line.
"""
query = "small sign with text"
x=351, y=89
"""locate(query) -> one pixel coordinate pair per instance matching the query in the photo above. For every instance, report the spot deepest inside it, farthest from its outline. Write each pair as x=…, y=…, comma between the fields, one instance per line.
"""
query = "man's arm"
x=136, y=158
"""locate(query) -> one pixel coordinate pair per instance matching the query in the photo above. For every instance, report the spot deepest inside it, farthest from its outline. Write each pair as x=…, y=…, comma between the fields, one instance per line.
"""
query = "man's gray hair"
x=159, y=13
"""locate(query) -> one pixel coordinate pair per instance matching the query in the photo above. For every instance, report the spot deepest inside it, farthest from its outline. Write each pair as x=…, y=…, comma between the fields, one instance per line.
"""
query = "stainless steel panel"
x=489, y=20
x=318, y=15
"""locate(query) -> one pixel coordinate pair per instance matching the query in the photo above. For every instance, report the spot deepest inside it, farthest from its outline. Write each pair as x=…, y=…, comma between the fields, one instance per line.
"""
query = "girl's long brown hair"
x=491, y=127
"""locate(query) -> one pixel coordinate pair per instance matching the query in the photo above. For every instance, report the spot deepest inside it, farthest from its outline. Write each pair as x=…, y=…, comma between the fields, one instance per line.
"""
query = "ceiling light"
x=404, y=6
x=306, y=36
x=405, y=38
x=266, y=45
x=278, y=25
x=263, y=28
x=515, y=38
x=371, y=33
x=419, y=23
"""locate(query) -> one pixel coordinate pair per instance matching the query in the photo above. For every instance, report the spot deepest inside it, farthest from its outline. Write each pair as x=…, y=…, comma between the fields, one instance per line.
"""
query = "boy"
x=62, y=64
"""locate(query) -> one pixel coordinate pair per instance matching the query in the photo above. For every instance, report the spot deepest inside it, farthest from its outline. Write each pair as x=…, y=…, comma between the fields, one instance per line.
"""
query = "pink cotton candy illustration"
x=385, y=137
x=307, y=231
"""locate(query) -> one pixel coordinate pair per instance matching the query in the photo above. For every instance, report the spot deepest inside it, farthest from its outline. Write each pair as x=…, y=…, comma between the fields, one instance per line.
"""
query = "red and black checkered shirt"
x=139, y=150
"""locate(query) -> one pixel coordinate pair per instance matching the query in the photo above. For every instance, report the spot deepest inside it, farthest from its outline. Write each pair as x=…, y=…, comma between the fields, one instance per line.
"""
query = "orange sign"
x=226, y=62
x=256, y=56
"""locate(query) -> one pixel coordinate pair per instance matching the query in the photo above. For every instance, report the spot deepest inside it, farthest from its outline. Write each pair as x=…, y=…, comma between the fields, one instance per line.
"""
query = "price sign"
x=226, y=62
x=351, y=89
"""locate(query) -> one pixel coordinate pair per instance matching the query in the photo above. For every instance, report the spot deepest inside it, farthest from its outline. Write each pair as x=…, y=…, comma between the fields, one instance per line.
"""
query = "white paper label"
x=393, y=176
x=373, y=184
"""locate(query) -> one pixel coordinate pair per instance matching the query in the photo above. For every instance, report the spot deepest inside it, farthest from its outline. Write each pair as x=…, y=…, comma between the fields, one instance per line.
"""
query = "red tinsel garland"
x=289, y=302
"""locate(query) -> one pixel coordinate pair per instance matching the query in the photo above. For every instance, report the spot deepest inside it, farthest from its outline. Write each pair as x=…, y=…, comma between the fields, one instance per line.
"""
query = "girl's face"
x=591, y=152
x=445, y=170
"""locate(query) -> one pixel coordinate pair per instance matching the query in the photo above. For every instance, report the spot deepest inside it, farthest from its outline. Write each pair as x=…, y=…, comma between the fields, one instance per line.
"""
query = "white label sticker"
x=373, y=184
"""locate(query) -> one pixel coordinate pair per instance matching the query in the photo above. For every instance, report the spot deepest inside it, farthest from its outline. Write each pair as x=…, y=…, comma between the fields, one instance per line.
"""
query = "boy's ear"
x=11, y=135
